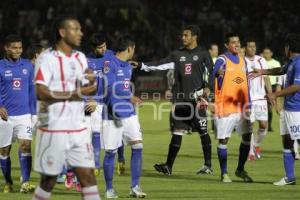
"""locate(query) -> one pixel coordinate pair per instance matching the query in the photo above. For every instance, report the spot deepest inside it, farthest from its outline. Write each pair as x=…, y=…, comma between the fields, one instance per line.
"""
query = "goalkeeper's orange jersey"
x=232, y=95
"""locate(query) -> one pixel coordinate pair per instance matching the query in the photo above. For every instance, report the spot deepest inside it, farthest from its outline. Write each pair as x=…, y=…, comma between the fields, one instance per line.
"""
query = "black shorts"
x=187, y=117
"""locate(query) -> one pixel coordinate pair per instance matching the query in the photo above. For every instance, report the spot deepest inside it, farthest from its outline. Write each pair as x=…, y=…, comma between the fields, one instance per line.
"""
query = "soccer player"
x=231, y=105
x=192, y=66
x=214, y=52
x=271, y=63
x=62, y=79
x=291, y=110
x=120, y=121
x=259, y=106
x=17, y=109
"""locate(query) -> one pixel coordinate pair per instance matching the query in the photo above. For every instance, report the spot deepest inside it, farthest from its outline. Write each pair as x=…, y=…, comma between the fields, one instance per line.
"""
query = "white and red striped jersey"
x=256, y=85
x=60, y=73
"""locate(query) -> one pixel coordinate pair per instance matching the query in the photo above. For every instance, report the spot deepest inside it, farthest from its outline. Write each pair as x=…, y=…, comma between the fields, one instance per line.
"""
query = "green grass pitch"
x=184, y=183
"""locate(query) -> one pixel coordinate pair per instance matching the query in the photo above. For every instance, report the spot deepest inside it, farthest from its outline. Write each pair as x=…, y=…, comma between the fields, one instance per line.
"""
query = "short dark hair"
x=247, y=40
x=230, y=35
x=59, y=23
x=32, y=50
x=195, y=30
x=292, y=40
x=97, y=39
x=213, y=44
x=124, y=42
x=12, y=38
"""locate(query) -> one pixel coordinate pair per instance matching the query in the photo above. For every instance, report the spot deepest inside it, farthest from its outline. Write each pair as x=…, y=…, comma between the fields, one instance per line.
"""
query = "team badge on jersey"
x=188, y=69
x=126, y=84
x=25, y=71
x=238, y=80
x=195, y=58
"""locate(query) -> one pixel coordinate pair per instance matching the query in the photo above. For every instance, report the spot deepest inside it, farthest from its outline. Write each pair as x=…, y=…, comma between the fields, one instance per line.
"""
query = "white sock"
x=296, y=146
x=40, y=194
x=261, y=134
x=90, y=193
x=251, y=152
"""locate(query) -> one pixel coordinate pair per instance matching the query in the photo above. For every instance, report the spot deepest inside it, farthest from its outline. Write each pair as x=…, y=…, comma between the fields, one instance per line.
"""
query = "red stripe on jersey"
x=62, y=79
x=77, y=57
x=62, y=131
x=261, y=77
x=39, y=75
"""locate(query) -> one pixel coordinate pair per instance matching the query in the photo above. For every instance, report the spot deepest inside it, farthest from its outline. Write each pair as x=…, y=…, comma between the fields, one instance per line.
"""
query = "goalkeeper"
x=192, y=66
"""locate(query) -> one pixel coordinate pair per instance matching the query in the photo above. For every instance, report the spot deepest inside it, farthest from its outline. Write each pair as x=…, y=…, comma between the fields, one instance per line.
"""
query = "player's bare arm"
x=3, y=113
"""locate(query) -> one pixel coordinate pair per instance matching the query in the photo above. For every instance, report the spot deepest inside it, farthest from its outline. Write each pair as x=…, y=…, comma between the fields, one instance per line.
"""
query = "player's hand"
x=271, y=97
x=255, y=73
x=135, y=64
x=91, y=106
x=90, y=76
x=3, y=113
x=136, y=101
x=87, y=90
x=201, y=104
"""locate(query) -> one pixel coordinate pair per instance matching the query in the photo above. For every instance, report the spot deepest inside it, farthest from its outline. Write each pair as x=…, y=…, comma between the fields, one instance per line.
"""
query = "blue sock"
x=121, y=157
x=136, y=166
x=25, y=160
x=289, y=161
x=97, y=148
x=222, y=155
x=6, y=169
x=108, y=169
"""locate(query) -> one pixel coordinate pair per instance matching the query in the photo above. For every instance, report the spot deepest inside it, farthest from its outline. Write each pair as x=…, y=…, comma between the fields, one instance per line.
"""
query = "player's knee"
x=47, y=183
x=25, y=146
x=111, y=151
x=137, y=146
x=263, y=125
x=5, y=151
x=179, y=132
x=287, y=142
x=246, y=138
x=223, y=141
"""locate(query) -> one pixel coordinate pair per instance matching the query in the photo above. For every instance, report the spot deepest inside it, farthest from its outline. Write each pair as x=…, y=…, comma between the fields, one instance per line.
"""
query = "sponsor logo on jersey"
x=25, y=71
x=182, y=59
x=120, y=72
x=126, y=84
x=188, y=69
x=195, y=58
x=17, y=84
x=238, y=80
x=8, y=73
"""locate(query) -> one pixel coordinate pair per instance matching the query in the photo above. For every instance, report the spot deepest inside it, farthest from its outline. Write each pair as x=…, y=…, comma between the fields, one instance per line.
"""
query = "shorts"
x=187, y=117
x=16, y=127
x=226, y=125
x=55, y=149
x=290, y=124
x=96, y=119
x=259, y=111
x=126, y=130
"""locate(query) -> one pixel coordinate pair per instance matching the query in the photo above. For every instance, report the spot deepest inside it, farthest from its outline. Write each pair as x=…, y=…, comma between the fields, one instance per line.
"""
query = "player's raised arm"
x=163, y=64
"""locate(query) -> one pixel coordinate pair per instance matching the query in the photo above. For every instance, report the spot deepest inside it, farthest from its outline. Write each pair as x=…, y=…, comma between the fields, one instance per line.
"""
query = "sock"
x=251, y=152
x=244, y=152
x=90, y=193
x=289, y=161
x=108, y=168
x=206, y=147
x=97, y=148
x=25, y=160
x=40, y=194
x=261, y=134
x=174, y=148
x=222, y=155
x=121, y=157
x=6, y=168
x=136, y=165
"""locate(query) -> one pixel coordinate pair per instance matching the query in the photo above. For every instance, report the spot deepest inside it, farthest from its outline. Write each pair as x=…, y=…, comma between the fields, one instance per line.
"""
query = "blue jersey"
x=96, y=64
x=17, y=93
x=117, y=76
x=292, y=102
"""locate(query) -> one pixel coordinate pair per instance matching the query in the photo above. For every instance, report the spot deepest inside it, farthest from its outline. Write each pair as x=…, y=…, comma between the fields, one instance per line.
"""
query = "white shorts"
x=96, y=119
x=54, y=150
x=113, y=135
x=15, y=127
x=226, y=125
x=259, y=111
x=290, y=124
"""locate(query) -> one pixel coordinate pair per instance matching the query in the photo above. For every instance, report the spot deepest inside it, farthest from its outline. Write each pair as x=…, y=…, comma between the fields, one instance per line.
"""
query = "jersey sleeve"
x=297, y=73
x=43, y=74
x=220, y=62
x=163, y=64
